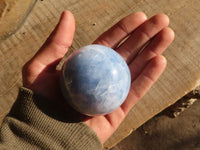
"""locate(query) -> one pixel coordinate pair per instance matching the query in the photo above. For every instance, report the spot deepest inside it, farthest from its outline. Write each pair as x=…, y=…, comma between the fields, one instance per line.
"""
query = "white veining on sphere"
x=99, y=80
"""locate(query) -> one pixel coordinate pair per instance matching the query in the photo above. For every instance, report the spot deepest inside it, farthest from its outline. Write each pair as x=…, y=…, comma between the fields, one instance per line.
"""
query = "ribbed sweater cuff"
x=39, y=123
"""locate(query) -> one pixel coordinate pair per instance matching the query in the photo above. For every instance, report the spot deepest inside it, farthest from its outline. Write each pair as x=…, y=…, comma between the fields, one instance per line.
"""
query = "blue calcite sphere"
x=95, y=80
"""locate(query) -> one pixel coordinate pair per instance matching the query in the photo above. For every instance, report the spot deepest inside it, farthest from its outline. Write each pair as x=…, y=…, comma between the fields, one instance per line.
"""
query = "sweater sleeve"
x=36, y=123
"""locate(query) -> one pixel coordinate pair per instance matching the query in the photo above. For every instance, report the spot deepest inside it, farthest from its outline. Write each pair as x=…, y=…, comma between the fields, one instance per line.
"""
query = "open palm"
x=144, y=40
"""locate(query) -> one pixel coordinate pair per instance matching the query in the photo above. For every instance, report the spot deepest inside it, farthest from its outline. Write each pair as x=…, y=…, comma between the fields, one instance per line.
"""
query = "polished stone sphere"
x=95, y=80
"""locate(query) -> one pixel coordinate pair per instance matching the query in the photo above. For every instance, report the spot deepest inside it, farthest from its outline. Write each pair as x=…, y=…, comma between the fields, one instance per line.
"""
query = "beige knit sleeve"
x=36, y=123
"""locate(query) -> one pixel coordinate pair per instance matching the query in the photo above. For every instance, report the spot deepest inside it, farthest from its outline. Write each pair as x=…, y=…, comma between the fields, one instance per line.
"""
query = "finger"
x=144, y=81
x=156, y=47
x=142, y=35
x=119, y=31
x=59, y=41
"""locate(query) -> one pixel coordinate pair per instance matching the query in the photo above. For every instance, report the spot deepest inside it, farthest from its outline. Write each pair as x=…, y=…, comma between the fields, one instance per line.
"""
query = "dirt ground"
x=166, y=133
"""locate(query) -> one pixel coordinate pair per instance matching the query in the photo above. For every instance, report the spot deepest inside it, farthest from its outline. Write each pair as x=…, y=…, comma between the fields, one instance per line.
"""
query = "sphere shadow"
x=48, y=96
x=55, y=111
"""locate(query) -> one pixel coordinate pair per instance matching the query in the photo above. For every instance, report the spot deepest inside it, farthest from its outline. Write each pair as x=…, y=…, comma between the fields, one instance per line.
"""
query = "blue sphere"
x=95, y=80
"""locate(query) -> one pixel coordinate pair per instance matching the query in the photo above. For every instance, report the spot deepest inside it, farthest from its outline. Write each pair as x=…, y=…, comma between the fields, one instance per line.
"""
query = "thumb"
x=58, y=42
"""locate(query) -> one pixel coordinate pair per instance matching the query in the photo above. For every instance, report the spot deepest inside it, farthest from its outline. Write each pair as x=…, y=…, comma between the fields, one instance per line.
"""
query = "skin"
x=152, y=35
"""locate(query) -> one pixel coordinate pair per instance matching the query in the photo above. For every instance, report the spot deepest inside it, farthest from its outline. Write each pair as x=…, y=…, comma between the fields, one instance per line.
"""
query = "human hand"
x=152, y=36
